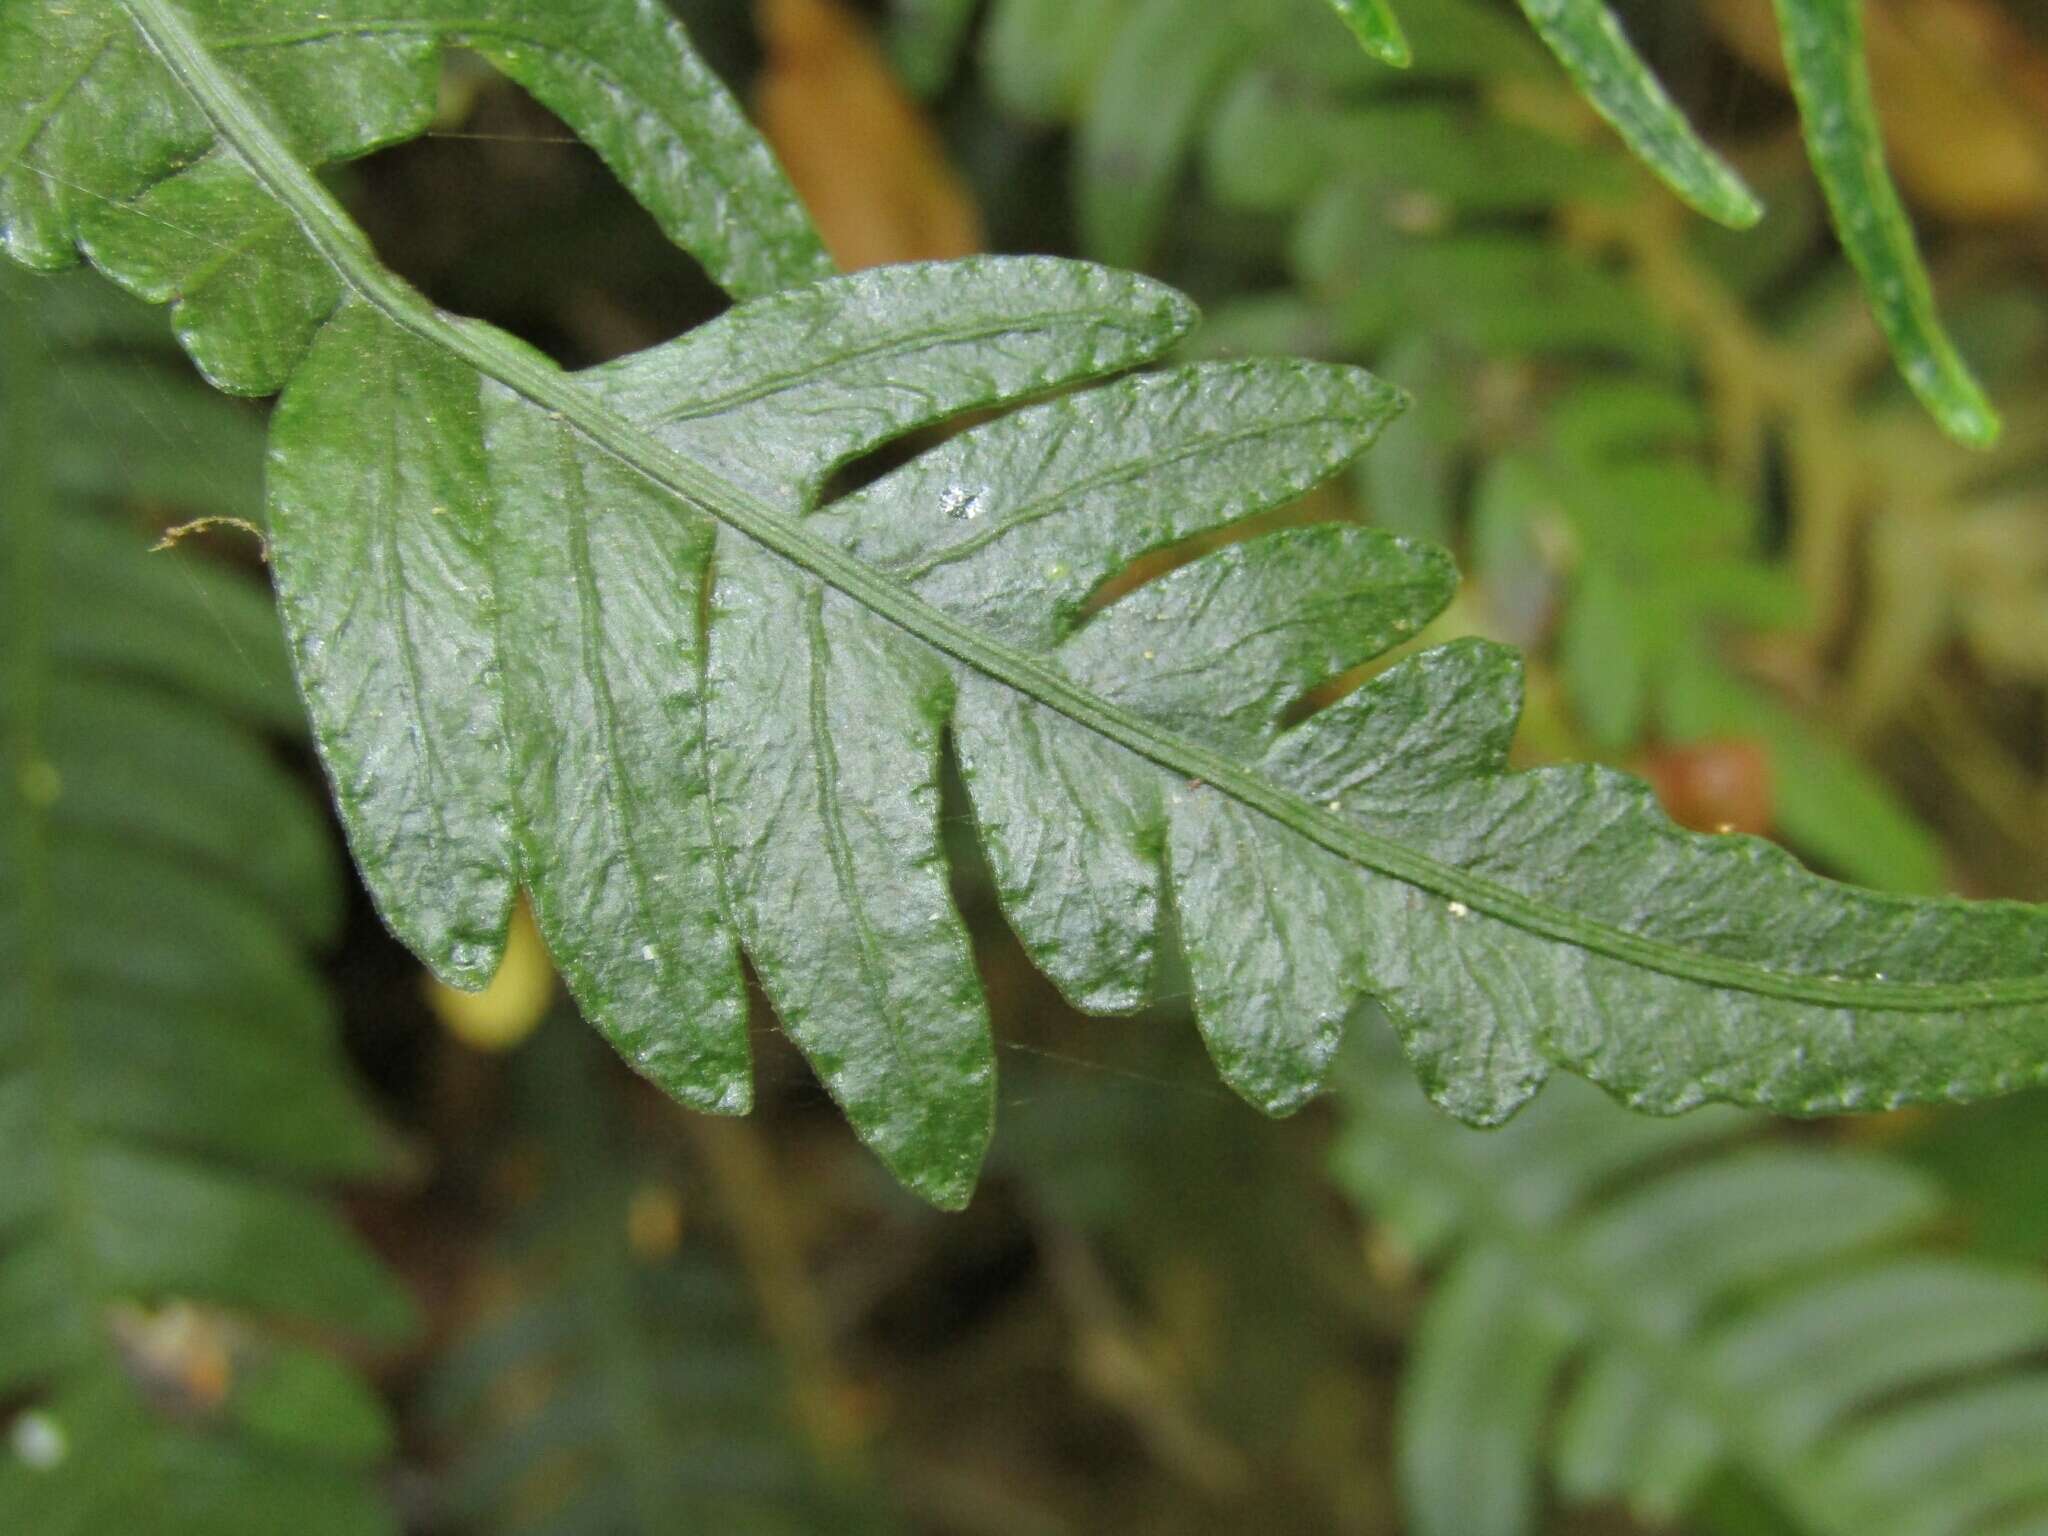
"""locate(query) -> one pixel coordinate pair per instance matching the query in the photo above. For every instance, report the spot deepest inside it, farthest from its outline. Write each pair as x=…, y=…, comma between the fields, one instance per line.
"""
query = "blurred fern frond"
x=1141, y=98
x=1642, y=1306
x=619, y=1383
x=1925, y=566
x=1655, y=566
x=166, y=1270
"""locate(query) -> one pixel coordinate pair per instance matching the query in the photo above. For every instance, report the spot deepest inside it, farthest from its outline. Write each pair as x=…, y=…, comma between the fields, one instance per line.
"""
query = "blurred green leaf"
x=1639, y=1304
x=925, y=39
x=621, y=1386
x=1824, y=53
x=170, y=1080
x=1042, y=56
x=1144, y=113
x=1372, y=23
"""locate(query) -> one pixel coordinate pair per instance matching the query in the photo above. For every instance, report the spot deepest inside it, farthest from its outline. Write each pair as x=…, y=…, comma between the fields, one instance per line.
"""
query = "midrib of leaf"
x=452, y=29
x=30, y=517
x=509, y=363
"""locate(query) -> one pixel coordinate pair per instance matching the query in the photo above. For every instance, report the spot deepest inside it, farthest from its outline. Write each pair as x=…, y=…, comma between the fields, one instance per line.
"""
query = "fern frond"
x=175, y=217
x=1640, y=1305
x=625, y=1389
x=492, y=574
x=169, y=1077
x=1824, y=56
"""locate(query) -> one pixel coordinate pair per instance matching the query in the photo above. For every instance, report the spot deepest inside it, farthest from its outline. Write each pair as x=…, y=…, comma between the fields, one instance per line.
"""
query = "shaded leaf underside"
x=593, y=636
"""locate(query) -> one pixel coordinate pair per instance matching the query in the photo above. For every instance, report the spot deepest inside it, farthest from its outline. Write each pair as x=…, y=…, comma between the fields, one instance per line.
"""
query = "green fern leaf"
x=1724, y=1304
x=1589, y=42
x=161, y=881
x=1824, y=54
x=492, y=574
x=247, y=288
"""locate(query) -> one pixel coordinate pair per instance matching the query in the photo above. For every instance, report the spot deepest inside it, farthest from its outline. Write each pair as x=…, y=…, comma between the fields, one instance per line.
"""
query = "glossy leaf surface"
x=594, y=635
x=1377, y=29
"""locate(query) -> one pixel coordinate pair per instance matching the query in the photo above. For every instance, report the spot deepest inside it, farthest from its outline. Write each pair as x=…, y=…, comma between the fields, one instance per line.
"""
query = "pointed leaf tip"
x=1824, y=58
x=1373, y=23
x=1594, y=50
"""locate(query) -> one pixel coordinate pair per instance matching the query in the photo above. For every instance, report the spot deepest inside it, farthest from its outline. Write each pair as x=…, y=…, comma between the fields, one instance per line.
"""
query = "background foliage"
x=1687, y=481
